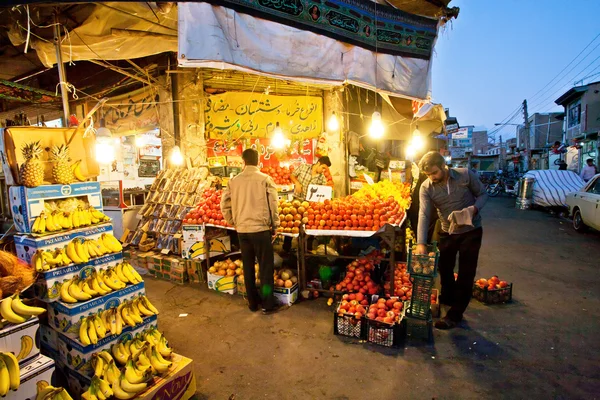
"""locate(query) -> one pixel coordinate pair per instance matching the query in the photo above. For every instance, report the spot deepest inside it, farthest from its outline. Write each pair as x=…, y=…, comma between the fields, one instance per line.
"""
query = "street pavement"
x=543, y=345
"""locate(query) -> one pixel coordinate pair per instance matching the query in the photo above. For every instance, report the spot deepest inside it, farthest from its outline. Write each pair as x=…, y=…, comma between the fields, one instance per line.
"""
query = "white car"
x=584, y=205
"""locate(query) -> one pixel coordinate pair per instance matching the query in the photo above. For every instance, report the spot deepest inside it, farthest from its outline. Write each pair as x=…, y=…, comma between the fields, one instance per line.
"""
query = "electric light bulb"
x=176, y=156
x=278, y=139
x=105, y=150
x=140, y=141
x=417, y=142
x=410, y=151
x=333, y=123
x=376, y=129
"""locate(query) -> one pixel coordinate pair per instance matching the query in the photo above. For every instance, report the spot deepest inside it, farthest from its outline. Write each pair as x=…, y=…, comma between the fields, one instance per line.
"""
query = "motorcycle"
x=503, y=186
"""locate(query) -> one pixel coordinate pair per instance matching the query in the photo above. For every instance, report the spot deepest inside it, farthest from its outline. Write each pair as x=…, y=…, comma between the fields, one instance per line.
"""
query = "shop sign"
x=319, y=193
x=458, y=152
x=135, y=112
x=243, y=115
x=451, y=128
x=462, y=133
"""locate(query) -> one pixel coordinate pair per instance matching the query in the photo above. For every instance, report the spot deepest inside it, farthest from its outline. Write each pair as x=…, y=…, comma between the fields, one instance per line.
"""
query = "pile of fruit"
x=15, y=311
x=358, y=276
x=387, y=311
x=353, y=213
x=383, y=190
x=15, y=274
x=227, y=268
x=353, y=304
x=10, y=373
x=422, y=264
x=62, y=220
x=280, y=175
x=491, y=284
x=31, y=173
x=292, y=215
x=208, y=210
x=97, y=326
x=285, y=278
x=140, y=359
x=402, y=283
x=99, y=283
x=48, y=392
x=328, y=178
x=78, y=251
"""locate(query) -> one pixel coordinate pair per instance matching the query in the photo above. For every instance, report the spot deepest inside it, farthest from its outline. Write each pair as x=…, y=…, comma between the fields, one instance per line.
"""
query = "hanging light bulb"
x=417, y=140
x=410, y=151
x=176, y=156
x=278, y=139
x=140, y=140
x=376, y=129
x=105, y=149
x=333, y=124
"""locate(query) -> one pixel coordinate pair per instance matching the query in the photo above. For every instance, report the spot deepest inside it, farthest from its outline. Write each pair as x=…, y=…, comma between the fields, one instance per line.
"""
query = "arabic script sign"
x=135, y=112
x=246, y=115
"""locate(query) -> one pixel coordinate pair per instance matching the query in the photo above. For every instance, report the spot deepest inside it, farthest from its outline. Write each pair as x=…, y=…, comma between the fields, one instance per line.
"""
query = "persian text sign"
x=244, y=115
x=135, y=112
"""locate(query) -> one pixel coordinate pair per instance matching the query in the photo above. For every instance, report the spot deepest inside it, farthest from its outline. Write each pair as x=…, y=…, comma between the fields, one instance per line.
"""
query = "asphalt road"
x=544, y=345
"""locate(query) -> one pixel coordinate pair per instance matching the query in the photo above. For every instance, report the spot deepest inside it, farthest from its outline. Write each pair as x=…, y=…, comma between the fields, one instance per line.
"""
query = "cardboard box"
x=179, y=383
x=47, y=286
x=77, y=356
x=154, y=263
x=223, y=284
x=66, y=318
x=40, y=369
x=28, y=203
x=194, y=270
x=13, y=139
x=180, y=277
x=76, y=382
x=194, y=243
x=21, y=340
x=26, y=245
x=48, y=338
x=286, y=296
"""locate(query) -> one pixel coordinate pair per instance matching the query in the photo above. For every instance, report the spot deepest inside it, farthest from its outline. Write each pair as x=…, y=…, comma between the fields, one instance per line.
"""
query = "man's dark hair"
x=589, y=161
x=431, y=159
x=324, y=160
x=250, y=157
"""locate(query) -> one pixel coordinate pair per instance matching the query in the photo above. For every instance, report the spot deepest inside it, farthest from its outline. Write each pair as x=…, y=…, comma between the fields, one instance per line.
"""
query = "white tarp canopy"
x=551, y=187
x=226, y=39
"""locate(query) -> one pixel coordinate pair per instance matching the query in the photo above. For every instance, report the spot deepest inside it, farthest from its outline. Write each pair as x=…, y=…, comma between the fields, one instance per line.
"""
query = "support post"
x=62, y=75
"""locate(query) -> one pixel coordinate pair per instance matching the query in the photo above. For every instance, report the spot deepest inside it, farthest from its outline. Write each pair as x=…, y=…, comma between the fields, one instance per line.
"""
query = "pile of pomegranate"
x=281, y=175
x=208, y=210
x=358, y=276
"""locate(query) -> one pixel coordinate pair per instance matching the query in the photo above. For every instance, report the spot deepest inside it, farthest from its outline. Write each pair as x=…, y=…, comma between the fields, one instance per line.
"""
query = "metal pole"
x=62, y=75
x=527, y=132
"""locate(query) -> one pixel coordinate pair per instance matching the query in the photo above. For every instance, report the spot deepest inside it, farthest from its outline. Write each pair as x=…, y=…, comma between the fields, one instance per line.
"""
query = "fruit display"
x=56, y=221
x=227, y=268
x=423, y=264
x=78, y=251
x=15, y=274
x=10, y=373
x=99, y=283
x=387, y=311
x=292, y=215
x=328, y=177
x=284, y=278
x=97, y=326
x=49, y=392
x=358, y=276
x=31, y=173
x=492, y=291
x=353, y=304
x=402, y=283
x=354, y=213
x=208, y=209
x=15, y=311
x=491, y=284
x=280, y=175
x=383, y=190
x=61, y=170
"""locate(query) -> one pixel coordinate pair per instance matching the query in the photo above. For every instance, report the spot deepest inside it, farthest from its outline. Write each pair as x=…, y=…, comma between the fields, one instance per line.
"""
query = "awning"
x=17, y=92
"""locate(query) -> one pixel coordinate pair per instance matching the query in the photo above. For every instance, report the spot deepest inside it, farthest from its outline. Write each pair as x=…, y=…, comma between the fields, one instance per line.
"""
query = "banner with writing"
x=300, y=152
x=243, y=115
x=132, y=113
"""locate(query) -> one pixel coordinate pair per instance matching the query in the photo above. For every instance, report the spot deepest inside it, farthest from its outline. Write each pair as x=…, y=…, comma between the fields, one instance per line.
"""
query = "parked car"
x=584, y=205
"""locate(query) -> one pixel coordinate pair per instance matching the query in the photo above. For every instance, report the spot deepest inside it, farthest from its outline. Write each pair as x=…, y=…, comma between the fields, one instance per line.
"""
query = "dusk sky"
x=498, y=53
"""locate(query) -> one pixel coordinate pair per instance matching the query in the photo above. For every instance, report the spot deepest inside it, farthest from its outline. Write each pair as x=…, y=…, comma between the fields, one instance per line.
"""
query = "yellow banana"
x=112, y=372
x=130, y=386
x=128, y=271
x=65, y=257
x=118, y=320
x=92, y=333
x=37, y=261
x=42, y=226
x=163, y=348
x=85, y=287
x=114, y=284
x=8, y=313
x=159, y=366
x=135, y=314
x=84, y=337
x=104, y=388
x=95, y=285
x=105, y=354
x=12, y=364
x=76, y=292
x=72, y=253
x=124, y=350
x=64, y=221
x=68, y=220
x=119, y=271
x=81, y=251
x=118, y=354
x=137, y=276
x=119, y=393
x=64, y=292
x=149, y=305
x=91, y=249
x=4, y=378
x=26, y=347
x=76, y=168
x=76, y=219
x=25, y=310
x=111, y=242
x=50, y=225
x=143, y=309
x=99, y=326
x=126, y=315
x=35, y=228
x=98, y=365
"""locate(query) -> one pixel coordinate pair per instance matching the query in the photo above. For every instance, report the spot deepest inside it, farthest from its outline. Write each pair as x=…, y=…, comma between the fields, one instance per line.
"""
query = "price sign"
x=319, y=193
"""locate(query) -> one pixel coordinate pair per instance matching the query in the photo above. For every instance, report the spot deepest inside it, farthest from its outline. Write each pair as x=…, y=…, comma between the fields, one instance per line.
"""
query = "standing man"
x=458, y=196
x=589, y=170
x=249, y=204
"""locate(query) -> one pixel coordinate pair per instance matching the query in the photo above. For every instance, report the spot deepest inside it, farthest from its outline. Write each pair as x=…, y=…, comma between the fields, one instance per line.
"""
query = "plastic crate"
x=348, y=325
x=420, y=302
x=419, y=329
x=383, y=334
x=495, y=296
x=423, y=264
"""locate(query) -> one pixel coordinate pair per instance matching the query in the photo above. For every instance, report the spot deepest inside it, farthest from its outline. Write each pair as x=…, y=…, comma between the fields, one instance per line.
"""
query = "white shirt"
x=588, y=172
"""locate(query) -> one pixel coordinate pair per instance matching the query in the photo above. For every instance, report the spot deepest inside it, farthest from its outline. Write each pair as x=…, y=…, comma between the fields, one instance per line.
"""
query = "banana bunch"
x=10, y=373
x=76, y=169
x=124, y=384
x=55, y=221
x=140, y=357
x=45, y=260
x=99, y=283
x=47, y=392
x=96, y=327
x=15, y=311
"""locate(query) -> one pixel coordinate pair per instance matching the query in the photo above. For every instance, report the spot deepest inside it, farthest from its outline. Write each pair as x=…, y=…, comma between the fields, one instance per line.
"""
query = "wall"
x=590, y=105
x=480, y=142
x=545, y=129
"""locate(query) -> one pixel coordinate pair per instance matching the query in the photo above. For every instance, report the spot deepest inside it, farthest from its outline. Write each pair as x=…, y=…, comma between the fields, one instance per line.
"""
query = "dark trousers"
x=457, y=294
x=258, y=246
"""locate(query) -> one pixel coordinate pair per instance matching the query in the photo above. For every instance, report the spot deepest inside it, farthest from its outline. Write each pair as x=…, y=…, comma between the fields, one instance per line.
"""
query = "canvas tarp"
x=231, y=40
x=551, y=187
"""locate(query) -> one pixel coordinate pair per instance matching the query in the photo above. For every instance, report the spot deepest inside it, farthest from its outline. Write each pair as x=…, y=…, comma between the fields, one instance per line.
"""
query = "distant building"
x=544, y=130
x=480, y=141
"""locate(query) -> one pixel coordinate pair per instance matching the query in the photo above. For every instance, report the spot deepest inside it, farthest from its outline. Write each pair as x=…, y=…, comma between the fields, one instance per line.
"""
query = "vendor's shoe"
x=445, y=323
x=275, y=309
x=253, y=309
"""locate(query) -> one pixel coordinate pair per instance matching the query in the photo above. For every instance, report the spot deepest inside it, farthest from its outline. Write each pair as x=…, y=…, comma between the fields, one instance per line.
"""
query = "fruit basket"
x=346, y=324
x=420, y=302
x=385, y=326
x=423, y=264
x=419, y=329
x=493, y=296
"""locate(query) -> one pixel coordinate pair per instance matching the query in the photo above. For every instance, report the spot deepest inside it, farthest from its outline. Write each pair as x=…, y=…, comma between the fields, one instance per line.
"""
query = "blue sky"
x=499, y=52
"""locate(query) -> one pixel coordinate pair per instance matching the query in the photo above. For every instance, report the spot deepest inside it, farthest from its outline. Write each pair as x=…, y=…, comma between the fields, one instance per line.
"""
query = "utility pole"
x=62, y=75
x=527, y=138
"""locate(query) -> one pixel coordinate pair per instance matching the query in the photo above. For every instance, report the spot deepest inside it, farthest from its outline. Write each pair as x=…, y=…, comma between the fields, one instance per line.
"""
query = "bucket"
x=525, y=195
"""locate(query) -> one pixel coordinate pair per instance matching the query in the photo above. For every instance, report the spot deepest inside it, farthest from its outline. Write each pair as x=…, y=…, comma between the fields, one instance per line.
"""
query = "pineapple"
x=61, y=170
x=31, y=173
